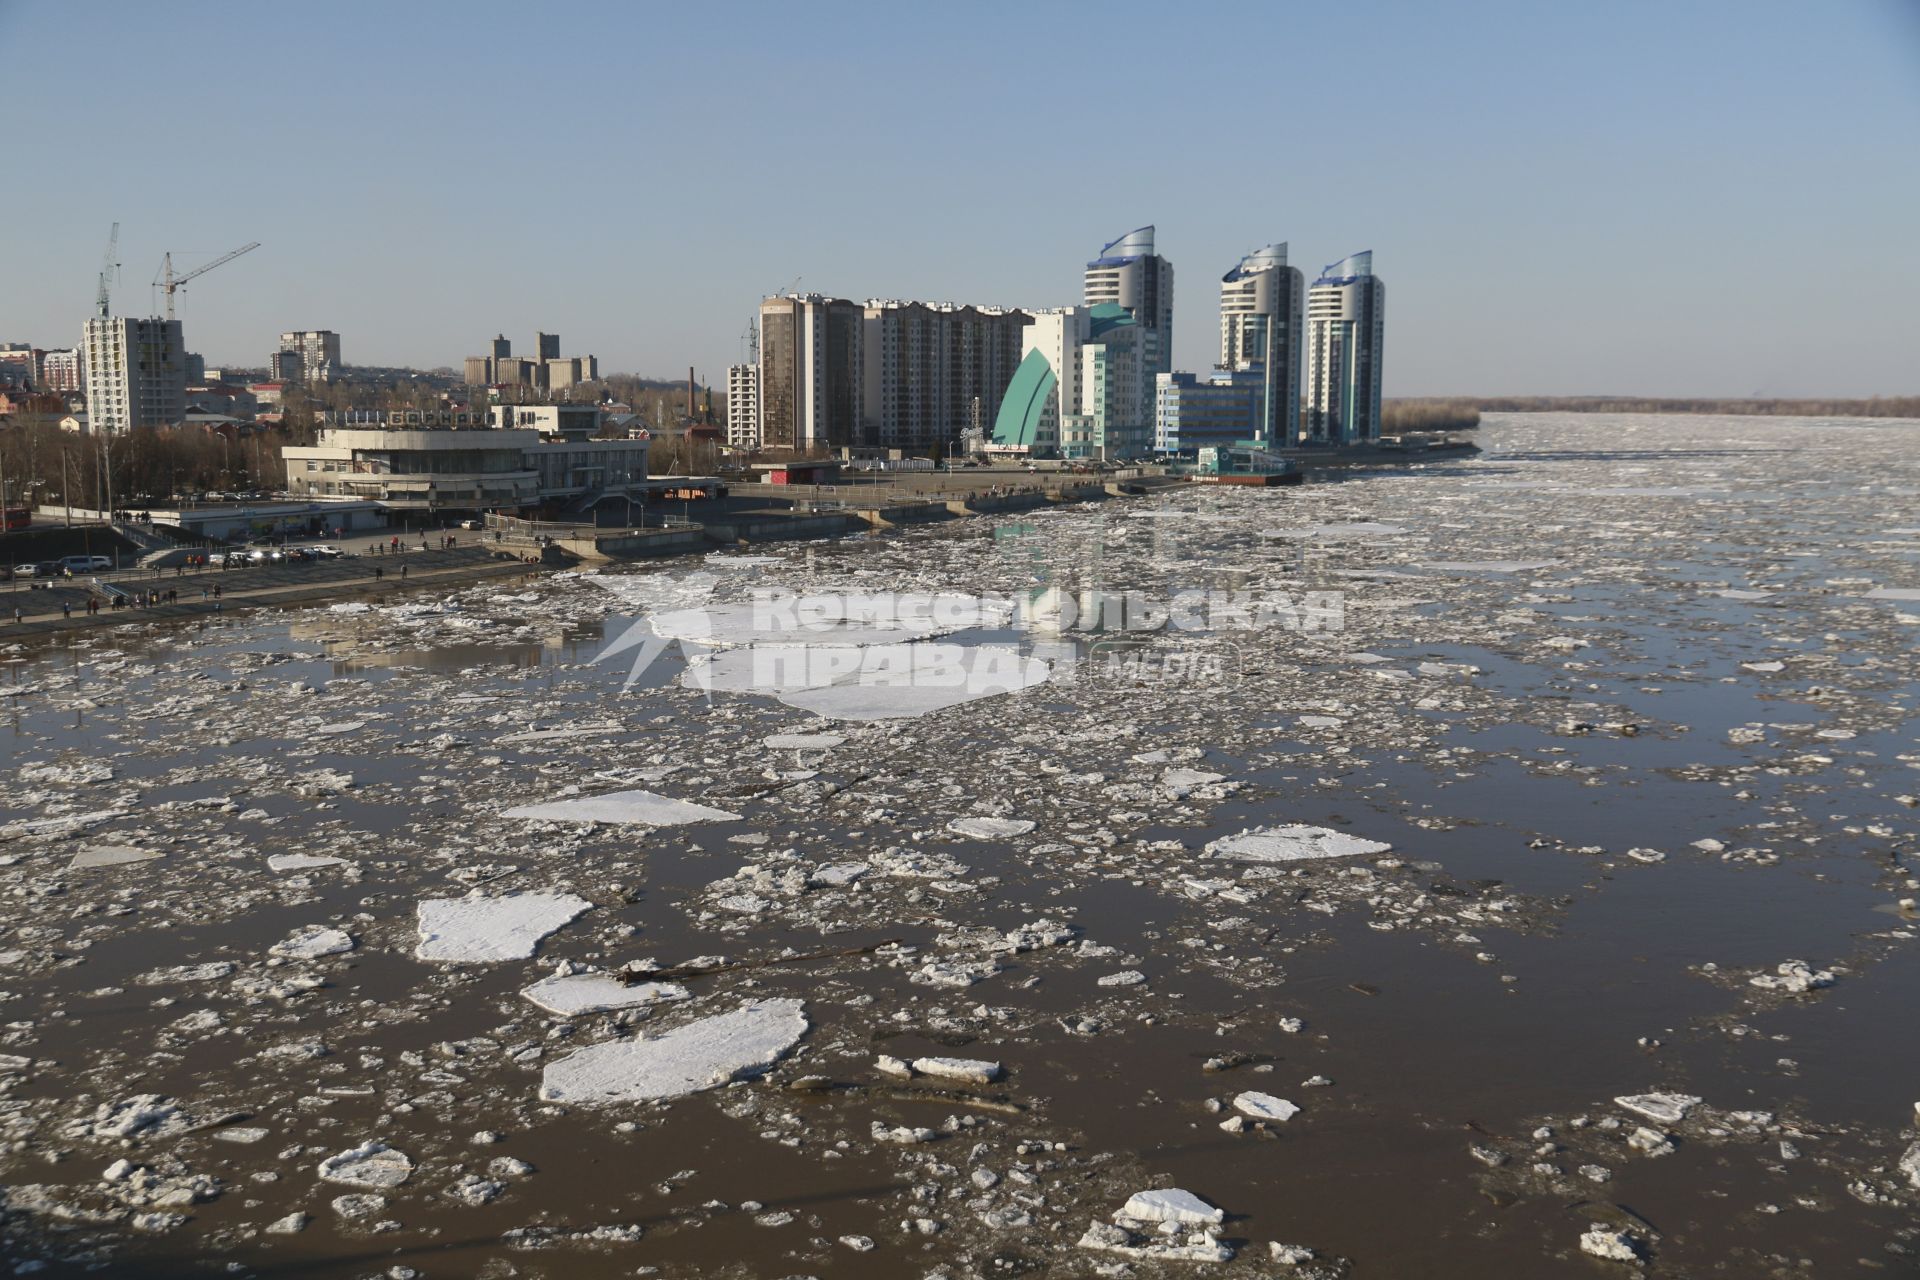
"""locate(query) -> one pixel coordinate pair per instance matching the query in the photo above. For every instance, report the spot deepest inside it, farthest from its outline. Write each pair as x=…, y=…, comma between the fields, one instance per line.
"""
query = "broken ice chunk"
x=1796, y=977
x=700, y=1055
x=1172, y=1205
x=804, y=741
x=1264, y=1106
x=1292, y=843
x=1614, y=1246
x=1661, y=1108
x=970, y=1070
x=572, y=994
x=372, y=1166
x=301, y=861
x=643, y=807
x=979, y=828
x=111, y=855
x=484, y=930
x=310, y=942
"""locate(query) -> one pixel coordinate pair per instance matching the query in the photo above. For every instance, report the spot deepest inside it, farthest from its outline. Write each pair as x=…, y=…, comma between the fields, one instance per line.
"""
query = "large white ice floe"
x=1172, y=1205
x=1337, y=532
x=111, y=855
x=700, y=1055
x=1264, y=1106
x=486, y=930
x=1292, y=843
x=1487, y=566
x=372, y=1166
x=871, y=682
x=572, y=994
x=311, y=942
x=645, y=808
x=979, y=828
x=1661, y=1108
x=830, y=618
x=301, y=861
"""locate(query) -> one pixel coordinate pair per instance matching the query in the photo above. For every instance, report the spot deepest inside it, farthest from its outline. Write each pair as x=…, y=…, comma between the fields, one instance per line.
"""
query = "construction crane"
x=107, y=265
x=170, y=282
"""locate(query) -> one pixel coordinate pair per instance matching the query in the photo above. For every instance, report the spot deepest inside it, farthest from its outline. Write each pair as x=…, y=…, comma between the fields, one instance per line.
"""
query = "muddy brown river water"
x=1592, y=769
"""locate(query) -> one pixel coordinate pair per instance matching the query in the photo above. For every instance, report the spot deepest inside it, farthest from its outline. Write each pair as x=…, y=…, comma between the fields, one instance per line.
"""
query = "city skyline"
x=1581, y=164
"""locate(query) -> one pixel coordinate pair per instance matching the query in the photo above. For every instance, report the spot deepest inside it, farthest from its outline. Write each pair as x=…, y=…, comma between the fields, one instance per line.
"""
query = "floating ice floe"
x=311, y=942
x=570, y=995
x=486, y=930
x=644, y=808
x=559, y=733
x=830, y=618
x=1796, y=977
x=872, y=682
x=301, y=861
x=1172, y=1205
x=982, y=828
x=969, y=1070
x=804, y=741
x=1264, y=1106
x=1893, y=593
x=700, y=1055
x=1614, y=1246
x=81, y=774
x=1292, y=843
x=1661, y=1108
x=372, y=1166
x=1488, y=566
x=111, y=855
x=65, y=823
x=1337, y=532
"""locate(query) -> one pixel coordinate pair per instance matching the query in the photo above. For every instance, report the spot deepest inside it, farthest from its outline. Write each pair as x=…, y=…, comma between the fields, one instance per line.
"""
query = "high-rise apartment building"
x=743, y=406
x=59, y=371
x=1084, y=388
x=1346, y=334
x=135, y=371
x=1262, y=307
x=1130, y=274
x=319, y=352
x=810, y=372
x=930, y=372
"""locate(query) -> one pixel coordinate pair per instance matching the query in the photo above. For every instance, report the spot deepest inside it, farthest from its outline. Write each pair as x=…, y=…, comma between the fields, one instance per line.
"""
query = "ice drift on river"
x=643, y=807
x=700, y=1055
x=484, y=930
x=1292, y=843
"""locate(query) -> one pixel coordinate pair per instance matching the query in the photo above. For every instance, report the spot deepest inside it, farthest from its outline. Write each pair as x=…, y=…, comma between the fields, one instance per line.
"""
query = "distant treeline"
x=1400, y=416
x=1877, y=407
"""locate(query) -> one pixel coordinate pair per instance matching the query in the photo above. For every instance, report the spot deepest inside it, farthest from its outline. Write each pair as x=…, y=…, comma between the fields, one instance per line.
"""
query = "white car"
x=326, y=553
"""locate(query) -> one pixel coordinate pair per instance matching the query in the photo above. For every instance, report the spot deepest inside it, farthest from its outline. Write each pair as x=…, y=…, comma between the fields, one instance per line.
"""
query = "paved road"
x=254, y=587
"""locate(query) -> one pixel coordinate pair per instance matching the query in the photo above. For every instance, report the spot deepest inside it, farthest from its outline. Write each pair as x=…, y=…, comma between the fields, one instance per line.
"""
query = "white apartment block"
x=743, y=406
x=135, y=372
x=319, y=352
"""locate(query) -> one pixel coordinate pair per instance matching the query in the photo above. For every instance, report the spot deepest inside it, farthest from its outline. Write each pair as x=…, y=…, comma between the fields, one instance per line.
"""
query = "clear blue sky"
x=1665, y=197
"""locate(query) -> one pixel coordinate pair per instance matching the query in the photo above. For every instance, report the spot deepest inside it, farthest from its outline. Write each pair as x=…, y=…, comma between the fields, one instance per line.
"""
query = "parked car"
x=325, y=553
x=45, y=569
x=86, y=564
x=473, y=524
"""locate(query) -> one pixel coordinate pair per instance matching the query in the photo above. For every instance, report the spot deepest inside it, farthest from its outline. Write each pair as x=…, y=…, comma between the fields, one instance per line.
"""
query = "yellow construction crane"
x=170, y=282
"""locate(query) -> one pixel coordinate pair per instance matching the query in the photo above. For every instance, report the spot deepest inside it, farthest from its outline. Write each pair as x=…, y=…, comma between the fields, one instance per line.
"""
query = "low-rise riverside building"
x=434, y=470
